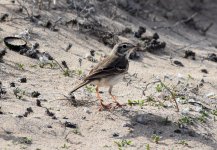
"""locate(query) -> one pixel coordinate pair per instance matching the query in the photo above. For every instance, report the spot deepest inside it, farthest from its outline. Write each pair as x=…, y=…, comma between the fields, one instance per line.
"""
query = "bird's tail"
x=80, y=85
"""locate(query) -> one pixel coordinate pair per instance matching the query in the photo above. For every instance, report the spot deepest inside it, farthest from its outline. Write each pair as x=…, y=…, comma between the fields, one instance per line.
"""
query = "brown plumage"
x=109, y=71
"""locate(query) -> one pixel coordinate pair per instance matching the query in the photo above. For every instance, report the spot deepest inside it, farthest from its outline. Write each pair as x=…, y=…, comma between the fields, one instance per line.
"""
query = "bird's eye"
x=124, y=46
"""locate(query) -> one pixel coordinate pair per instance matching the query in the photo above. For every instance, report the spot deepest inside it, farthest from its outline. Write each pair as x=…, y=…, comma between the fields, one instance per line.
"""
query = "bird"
x=109, y=72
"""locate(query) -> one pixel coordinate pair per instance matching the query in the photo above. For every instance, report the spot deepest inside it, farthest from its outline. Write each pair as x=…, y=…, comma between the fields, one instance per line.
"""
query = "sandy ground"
x=100, y=130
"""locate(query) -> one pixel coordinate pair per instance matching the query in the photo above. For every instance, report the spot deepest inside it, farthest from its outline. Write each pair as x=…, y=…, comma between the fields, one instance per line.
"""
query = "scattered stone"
x=49, y=126
x=2, y=90
x=127, y=30
x=3, y=17
x=65, y=117
x=156, y=36
x=128, y=125
x=83, y=117
x=35, y=94
x=54, y=117
x=1, y=113
x=92, y=52
x=49, y=113
x=22, y=80
x=68, y=47
x=140, y=31
x=70, y=125
x=38, y=103
x=115, y=134
x=28, y=111
x=12, y=84
x=2, y=53
x=190, y=53
x=204, y=71
x=178, y=63
x=212, y=57
x=154, y=45
x=35, y=45
x=178, y=131
x=65, y=64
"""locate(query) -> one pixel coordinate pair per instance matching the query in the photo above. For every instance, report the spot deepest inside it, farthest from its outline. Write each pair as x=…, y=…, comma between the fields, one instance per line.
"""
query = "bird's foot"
x=118, y=105
x=105, y=107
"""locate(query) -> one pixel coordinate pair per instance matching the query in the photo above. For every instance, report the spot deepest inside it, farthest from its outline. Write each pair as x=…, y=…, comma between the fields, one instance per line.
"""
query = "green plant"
x=90, y=88
x=25, y=140
x=214, y=112
x=79, y=72
x=190, y=77
x=150, y=98
x=33, y=66
x=202, y=117
x=155, y=138
x=183, y=142
x=19, y=93
x=65, y=146
x=77, y=131
x=123, y=143
x=66, y=72
x=185, y=120
x=20, y=66
x=147, y=147
x=159, y=87
x=136, y=102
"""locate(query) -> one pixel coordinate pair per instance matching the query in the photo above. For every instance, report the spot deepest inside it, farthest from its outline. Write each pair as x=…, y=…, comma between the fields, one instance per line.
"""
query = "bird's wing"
x=108, y=67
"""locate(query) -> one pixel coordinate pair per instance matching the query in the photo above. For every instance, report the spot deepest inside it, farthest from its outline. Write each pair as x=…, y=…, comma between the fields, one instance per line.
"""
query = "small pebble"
x=22, y=80
x=115, y=134
x=35, y=94
x=12, y=84
x=70, y=125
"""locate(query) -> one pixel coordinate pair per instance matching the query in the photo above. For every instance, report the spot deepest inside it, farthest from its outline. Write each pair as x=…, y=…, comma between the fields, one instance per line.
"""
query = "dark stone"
x=140, y=31
x=155, y=36
x=35, y=94
x=204, y=71
x=70, y=125
x=38, y=103
x=212, y=57
x=178, y=63
x=178, y=131
x=23, y=80
x=115, y=134
x=49, y=113
x=12, y=84
x=49, y=126
x=190, y=53
x=29, y=110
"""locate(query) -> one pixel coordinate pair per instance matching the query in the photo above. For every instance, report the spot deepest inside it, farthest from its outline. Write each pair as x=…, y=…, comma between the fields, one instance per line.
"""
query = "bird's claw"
x=118, y=105
x=105, y=107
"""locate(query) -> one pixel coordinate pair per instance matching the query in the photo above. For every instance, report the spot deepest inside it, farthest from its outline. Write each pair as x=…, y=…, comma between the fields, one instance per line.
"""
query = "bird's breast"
x=108, y=81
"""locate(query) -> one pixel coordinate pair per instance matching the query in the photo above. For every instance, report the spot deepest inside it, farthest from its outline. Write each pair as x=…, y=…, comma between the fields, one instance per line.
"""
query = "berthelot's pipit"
x=109, y=71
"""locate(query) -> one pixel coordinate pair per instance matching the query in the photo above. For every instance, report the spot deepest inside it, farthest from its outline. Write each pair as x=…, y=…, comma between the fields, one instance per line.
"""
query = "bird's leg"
x=102, y=106
x=114, y=98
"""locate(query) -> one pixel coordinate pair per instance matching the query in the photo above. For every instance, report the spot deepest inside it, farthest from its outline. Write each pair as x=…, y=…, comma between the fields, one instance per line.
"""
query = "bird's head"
x=123, y=49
